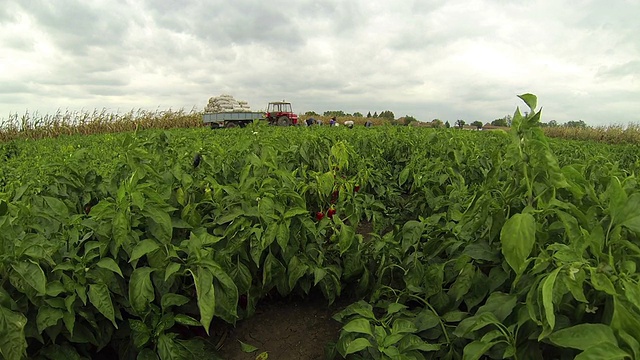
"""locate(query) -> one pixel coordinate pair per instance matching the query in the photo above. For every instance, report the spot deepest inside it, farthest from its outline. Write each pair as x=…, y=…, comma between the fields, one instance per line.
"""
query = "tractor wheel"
x=284, y=121
x=230, y=125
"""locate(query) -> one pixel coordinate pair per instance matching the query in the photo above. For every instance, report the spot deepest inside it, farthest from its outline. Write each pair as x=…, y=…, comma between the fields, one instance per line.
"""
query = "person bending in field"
x=349, y=124
x=311, y=121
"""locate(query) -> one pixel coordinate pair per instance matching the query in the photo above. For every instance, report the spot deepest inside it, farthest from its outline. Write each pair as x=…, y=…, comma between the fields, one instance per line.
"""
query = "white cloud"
x=450, y=60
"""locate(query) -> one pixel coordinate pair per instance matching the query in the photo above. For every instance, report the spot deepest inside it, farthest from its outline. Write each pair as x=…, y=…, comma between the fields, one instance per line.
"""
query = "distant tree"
x=311, y=113
x=551, y=123
x=477, y=124
x=436, y=123
x=387, y=114
x=500, y=122
x=357, y=114
x=375, y=114
x=335, y=113
x=409, y=119
x=460, y=123
x=369, y=114
x=447, y=125
x=577, y=124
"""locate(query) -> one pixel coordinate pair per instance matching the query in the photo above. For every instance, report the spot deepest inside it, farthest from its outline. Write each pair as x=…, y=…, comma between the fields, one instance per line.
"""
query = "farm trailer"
x=278, y=113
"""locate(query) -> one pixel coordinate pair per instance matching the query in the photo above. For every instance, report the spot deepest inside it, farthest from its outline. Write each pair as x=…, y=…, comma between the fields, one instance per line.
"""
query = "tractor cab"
x=281, y=113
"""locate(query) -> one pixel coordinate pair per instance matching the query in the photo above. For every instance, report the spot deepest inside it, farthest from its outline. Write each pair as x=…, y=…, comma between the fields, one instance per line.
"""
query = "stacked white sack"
x=226, y=103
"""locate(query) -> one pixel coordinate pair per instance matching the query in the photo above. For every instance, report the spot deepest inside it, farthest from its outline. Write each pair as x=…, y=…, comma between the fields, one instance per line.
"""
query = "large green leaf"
x=325, y=183
x=170, y=299
x=100, y=297
x=283, y=233
x=109, y=264
x=120, y=229
x=296, y=270
x=141, y=292
x=603, y=351
x=617, y=200
x=402, y=326
x=518, y=236
x=60, y=209
x=601, y=282
x=414, y=342
x=547, y=286
x=531, y=101
x=463, y=282
x=500, y=304
x=13, y=344
x=356, y=345
x=186, y=320
x=226, y=294
x=143, y=248
x=583, y=336
x=203, y=279
x=32, y=274
x=171, y=269
x=411, y=234
x=474, y=350
x=163, y=228
x=47, y=316
x=631, y=212
x=346, y=237
x=140, y=333
x=168, y=349
x=625, y=318
x=360, y=325
x=147, y=354
x=361, y=308
x=295, y=212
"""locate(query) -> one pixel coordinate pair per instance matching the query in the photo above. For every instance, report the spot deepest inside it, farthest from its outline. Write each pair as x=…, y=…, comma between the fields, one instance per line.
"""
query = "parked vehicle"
x=278, y=113
x=281, y=113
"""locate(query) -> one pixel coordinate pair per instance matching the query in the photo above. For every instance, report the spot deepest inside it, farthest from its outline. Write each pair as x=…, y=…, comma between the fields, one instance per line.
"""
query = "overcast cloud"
x=428, y=59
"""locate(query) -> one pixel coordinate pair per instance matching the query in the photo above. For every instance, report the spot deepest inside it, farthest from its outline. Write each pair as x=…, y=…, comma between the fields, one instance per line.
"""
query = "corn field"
x=36, y=126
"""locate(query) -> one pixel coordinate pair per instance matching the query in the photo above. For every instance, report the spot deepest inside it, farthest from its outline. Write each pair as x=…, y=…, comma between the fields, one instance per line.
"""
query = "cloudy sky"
x=451, y=60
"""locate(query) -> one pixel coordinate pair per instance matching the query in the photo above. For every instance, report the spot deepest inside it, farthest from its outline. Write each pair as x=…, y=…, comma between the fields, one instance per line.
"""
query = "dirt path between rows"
x=296, y=330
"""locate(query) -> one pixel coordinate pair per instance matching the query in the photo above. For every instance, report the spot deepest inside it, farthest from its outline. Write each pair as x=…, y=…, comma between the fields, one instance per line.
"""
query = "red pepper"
x=334, y=196
x=319, y=215
x=331, y=212
x=356, y=188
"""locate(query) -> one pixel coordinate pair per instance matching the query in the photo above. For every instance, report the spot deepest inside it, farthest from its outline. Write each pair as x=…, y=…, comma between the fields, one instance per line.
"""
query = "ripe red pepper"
x=356, y=188
x=331, y=212
x=319, y=215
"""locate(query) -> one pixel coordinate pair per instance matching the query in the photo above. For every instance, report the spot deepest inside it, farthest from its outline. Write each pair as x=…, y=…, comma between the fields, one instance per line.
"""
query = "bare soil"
x=286, y=329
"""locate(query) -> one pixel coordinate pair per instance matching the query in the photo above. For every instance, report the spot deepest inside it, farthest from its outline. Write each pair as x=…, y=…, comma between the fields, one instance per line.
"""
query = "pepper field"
x=477, y=244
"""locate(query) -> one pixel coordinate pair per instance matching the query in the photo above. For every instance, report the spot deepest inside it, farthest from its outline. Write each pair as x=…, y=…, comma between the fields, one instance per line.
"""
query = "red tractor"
x=280, y=113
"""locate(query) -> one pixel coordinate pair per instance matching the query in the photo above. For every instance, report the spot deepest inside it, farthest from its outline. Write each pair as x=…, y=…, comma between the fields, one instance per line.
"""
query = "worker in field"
x=332, y=122
x=369, y=123
x=349, y=124
x=311, y=121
